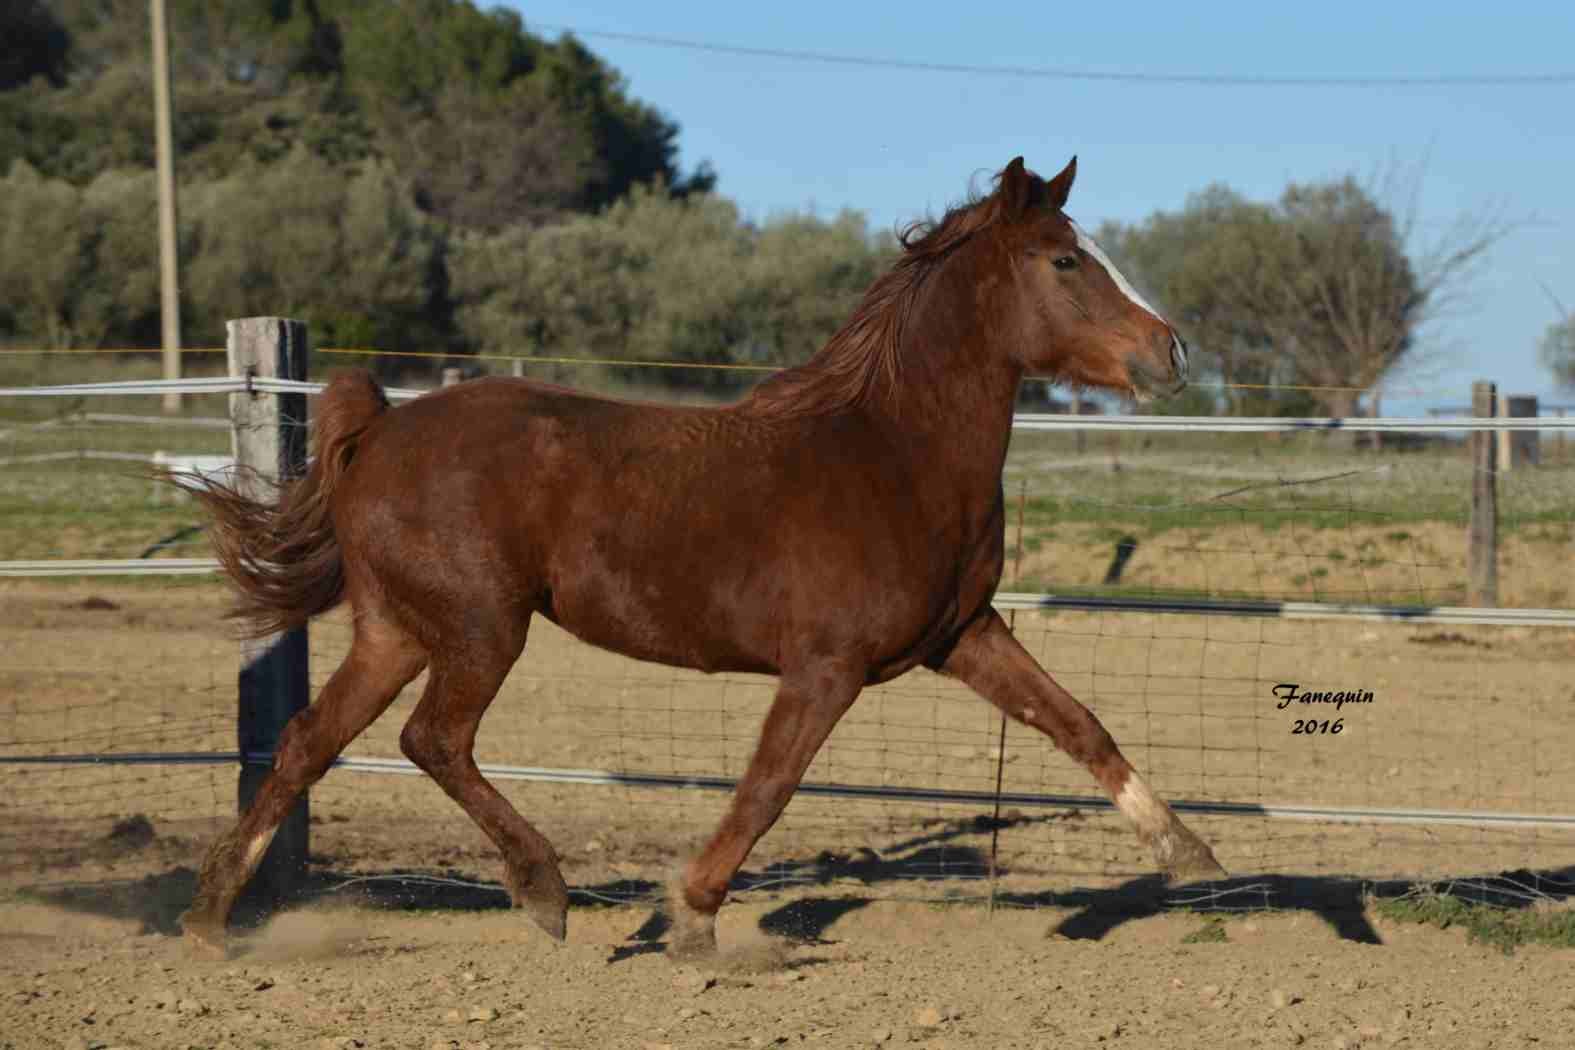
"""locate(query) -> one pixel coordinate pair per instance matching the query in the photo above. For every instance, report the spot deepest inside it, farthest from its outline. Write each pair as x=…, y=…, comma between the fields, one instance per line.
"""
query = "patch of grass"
x=1037, y=583
x=88, y=512
x=1152, y=506
x=1398, y=537
x=1551, y=534
x=1211, y=932
x=1503, y=928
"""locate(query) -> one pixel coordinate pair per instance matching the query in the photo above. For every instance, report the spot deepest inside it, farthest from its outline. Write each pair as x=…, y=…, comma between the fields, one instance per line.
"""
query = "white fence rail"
x=1025, y=421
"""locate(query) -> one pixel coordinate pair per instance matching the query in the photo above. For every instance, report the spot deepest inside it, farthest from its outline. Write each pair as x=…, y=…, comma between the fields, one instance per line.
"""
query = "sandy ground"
x=829, y=941
x=879, y=975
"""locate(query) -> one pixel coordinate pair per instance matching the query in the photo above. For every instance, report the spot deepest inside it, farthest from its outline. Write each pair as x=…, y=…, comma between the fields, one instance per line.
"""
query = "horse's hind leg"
x=381, y=661
x=440, y=738
x=992, y=662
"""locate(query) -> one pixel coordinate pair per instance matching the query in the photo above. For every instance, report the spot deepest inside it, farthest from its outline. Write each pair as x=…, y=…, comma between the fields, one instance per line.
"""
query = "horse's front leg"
x=806, y=708
x=995, y=665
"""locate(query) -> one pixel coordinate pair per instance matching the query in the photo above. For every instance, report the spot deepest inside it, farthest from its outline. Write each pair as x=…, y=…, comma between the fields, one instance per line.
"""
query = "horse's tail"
x=283, y=557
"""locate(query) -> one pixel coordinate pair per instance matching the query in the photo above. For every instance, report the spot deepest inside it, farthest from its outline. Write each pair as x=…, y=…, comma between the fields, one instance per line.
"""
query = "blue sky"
x=790, y=135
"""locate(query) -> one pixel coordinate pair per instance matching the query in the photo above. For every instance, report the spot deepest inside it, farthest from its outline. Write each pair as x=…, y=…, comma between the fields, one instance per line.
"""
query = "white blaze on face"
x=1178, y=349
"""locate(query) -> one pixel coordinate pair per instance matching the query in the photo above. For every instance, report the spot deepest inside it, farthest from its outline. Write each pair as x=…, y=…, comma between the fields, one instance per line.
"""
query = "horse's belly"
x=647, y=622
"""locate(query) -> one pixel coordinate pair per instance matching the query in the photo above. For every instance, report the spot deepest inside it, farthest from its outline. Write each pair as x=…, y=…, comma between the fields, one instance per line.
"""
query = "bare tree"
x=1348, y=280
x=1558, y=345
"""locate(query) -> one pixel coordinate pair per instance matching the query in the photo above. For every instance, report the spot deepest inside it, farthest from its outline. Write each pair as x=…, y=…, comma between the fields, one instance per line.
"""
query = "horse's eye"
x=1065, y=262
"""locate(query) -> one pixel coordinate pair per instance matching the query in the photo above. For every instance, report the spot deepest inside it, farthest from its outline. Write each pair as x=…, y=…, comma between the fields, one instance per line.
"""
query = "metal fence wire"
x=1251, y=564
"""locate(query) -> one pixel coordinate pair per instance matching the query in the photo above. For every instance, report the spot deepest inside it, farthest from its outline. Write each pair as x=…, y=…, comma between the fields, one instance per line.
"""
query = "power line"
x=1043, y=73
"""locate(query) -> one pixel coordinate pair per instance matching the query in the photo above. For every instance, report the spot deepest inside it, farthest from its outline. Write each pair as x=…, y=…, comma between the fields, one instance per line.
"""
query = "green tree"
x=119, y=300
x=636, y=143
x=1327, y=288
x=469, y=173
x=406, y=54
x=77, y=265
x=42, y=262
x=1558, y=351
x=327, y=150
x=669, y=279
x=1199, y=263
x=1338, y=292
x=652, y=277
x=804, y=279
x=37, y=45
x=403, y=80
x=350, y=254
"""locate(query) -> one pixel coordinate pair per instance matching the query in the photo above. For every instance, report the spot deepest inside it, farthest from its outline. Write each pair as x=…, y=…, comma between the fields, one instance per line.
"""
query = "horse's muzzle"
x=1161, y=372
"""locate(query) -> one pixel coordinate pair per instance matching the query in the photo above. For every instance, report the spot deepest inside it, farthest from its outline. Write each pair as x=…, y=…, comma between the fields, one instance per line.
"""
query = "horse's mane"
x=861, y=361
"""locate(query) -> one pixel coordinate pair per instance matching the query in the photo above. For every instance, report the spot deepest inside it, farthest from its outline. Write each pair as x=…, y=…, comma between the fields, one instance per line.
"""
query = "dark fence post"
x=1482, y=534
x=269, y=432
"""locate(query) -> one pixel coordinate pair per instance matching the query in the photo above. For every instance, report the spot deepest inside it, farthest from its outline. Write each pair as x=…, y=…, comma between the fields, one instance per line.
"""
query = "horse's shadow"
x=1340, y=901
x=156, y=901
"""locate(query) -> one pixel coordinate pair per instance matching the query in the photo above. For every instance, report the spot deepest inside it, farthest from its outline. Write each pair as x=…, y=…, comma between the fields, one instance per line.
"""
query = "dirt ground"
x=881, y=975
x=858, y=923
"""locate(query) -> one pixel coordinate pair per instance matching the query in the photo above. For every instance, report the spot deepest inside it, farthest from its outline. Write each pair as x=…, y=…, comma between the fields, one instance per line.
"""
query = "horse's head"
x=1077, y=319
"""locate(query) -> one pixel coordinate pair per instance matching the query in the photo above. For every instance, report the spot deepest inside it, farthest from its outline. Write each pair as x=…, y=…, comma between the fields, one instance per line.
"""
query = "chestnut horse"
x=840, y=525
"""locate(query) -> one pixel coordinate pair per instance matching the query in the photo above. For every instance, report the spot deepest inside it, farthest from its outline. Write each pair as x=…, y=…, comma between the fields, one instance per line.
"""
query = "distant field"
x=93, y=508
x=1263, y=516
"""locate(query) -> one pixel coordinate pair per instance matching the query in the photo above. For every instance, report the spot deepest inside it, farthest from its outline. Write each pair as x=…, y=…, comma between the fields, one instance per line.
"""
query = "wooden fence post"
x=1482, y=534
x=269, y=436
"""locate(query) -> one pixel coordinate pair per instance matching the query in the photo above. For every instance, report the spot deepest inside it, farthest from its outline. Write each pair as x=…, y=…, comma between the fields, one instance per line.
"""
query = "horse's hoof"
x=692, y=934
x=204, y=940
x=543, y=895
x=691, y=942
x=1187, y=858
x=552, y=916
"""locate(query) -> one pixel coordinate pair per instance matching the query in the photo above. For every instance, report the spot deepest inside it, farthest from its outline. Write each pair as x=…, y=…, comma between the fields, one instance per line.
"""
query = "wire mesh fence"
x=1460, y=723
x=1463, y=719
x=112, y=701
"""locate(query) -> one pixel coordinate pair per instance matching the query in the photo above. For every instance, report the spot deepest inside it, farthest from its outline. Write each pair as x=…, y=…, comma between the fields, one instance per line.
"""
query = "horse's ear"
x=1060, y=187
x=1016, y=189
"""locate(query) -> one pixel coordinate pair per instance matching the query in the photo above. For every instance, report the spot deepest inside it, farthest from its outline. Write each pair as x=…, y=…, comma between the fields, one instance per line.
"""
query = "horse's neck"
x=955, y=393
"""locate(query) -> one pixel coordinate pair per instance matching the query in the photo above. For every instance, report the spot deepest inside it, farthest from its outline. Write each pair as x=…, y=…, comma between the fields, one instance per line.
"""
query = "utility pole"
x=169, y=266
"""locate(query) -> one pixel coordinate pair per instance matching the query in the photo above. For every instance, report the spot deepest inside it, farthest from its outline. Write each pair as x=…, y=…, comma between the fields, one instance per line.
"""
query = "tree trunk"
x=1342, y=405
